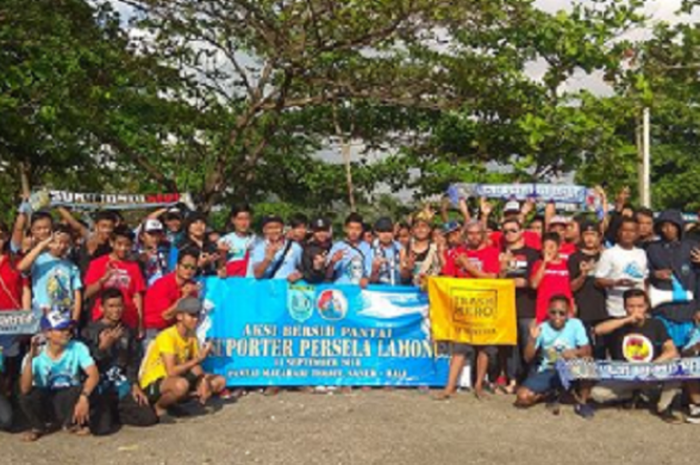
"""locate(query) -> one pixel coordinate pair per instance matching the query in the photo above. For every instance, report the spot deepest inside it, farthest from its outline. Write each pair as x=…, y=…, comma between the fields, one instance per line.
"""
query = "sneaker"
x=671, y=417
x=584, y=411
x=693, y=414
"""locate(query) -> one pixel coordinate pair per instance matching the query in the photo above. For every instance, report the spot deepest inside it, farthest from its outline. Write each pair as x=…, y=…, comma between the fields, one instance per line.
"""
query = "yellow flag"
x=473, y=311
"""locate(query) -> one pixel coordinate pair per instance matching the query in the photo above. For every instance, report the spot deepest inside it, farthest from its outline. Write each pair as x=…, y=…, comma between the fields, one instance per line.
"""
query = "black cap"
x=173, y=212
x=384, y=224
x=320, y=224
x=272, y=219
x=589, y=226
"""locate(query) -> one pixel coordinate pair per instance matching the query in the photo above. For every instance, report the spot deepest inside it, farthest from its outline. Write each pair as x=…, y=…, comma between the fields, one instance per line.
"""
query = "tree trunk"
x=346, y=151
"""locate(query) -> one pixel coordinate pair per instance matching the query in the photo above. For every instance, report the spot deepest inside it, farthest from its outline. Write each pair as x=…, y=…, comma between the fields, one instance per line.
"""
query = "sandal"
x=31, y=436
x=442, y=396
x=271, y=391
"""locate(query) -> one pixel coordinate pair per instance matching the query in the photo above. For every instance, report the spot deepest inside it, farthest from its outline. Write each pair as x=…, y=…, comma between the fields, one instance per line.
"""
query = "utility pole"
x=644, y=152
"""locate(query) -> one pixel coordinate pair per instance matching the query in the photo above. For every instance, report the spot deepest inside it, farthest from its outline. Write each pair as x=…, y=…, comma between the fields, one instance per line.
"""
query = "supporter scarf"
x=604, y=370
x=88, y=201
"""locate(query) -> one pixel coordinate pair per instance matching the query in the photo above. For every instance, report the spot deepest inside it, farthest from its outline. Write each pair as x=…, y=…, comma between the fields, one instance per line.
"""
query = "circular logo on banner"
x=637, y=348
x=332, y=305
x=301, y=306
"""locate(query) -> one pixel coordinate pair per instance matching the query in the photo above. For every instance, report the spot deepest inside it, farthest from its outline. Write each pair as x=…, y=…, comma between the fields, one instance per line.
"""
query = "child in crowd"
x=117, y=270
x=56, y=283
x=236, y=246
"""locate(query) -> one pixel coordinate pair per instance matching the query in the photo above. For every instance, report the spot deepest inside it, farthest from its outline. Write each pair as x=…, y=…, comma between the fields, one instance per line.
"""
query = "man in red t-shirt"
x=513, y=211
x=569, y=235
x=15, y=290
x=115, y=270
x=166, y=292
x=550, y=276
x=473, y=260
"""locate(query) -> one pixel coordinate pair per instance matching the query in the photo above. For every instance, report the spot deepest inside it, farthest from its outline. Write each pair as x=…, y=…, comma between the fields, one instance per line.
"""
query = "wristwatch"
x=85, y=394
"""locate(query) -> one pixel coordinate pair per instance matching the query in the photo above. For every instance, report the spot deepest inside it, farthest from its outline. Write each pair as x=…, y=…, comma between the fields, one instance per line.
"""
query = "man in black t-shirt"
x=590, y=299
x=638, y=338
x=118, y=398
x=517, y=261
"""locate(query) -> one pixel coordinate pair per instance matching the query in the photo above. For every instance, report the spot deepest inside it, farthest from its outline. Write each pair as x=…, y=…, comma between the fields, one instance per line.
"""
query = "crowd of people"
x=120, y=304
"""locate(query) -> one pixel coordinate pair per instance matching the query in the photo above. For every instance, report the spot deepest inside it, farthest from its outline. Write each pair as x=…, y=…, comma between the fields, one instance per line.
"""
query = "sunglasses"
x=510, y=231
x=189, y=267
x=557, y=313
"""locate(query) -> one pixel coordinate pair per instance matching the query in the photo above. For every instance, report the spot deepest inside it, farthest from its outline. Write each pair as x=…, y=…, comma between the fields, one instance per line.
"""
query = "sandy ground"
x=398, y=427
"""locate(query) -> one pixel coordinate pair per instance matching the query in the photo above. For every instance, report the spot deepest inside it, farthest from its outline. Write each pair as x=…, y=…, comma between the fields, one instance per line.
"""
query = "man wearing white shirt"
x=622, y=267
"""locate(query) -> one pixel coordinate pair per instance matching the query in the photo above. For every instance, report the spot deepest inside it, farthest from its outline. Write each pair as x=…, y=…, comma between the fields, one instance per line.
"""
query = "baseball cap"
x=55, y=320
x=450, y=226
x=511, y=206
x=272, y=219
x=173, y=212
x=320, y=224
x=384, y=224
x=558, y=219
x=589, y=226
x=152, y=225
x=190, y=305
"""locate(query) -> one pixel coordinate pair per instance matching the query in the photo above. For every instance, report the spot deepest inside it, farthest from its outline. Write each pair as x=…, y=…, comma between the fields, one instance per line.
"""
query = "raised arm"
x=74, y=224
x=26, y=263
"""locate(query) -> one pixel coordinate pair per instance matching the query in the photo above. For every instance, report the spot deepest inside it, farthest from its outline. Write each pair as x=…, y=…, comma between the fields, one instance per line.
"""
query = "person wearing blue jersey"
x=276, y=257
x=348, y=258
x=384, y=262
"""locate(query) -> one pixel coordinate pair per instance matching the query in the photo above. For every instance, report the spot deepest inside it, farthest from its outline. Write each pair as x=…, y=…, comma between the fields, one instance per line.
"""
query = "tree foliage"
x=242, y=100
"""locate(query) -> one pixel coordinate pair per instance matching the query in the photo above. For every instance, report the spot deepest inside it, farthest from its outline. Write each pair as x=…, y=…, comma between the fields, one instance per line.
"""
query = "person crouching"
x=172, y=368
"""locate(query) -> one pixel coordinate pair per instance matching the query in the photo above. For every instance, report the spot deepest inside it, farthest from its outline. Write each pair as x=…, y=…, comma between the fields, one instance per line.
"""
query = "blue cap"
x=450, y=226
x=55, y=320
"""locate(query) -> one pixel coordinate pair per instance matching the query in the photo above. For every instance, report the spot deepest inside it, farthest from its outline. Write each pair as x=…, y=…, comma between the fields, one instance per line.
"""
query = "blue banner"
x=679, y=369
x=271, y=333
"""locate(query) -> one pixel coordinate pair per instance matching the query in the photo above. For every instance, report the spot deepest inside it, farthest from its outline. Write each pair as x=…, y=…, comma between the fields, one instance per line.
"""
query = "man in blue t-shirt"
x=348, y=258
x=275, y=257
x=560, y=337
x=56, y=283
x=383, y=266
x=52, y=376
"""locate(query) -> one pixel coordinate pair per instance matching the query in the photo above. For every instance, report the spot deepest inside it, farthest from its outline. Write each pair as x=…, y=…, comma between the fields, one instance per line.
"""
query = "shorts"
x=153, y=392
x=541, y=382
x=678, y=331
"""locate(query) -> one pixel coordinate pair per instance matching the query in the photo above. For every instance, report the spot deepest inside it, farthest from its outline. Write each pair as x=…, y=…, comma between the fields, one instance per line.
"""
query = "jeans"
x=5, y=413
x=517, y=368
